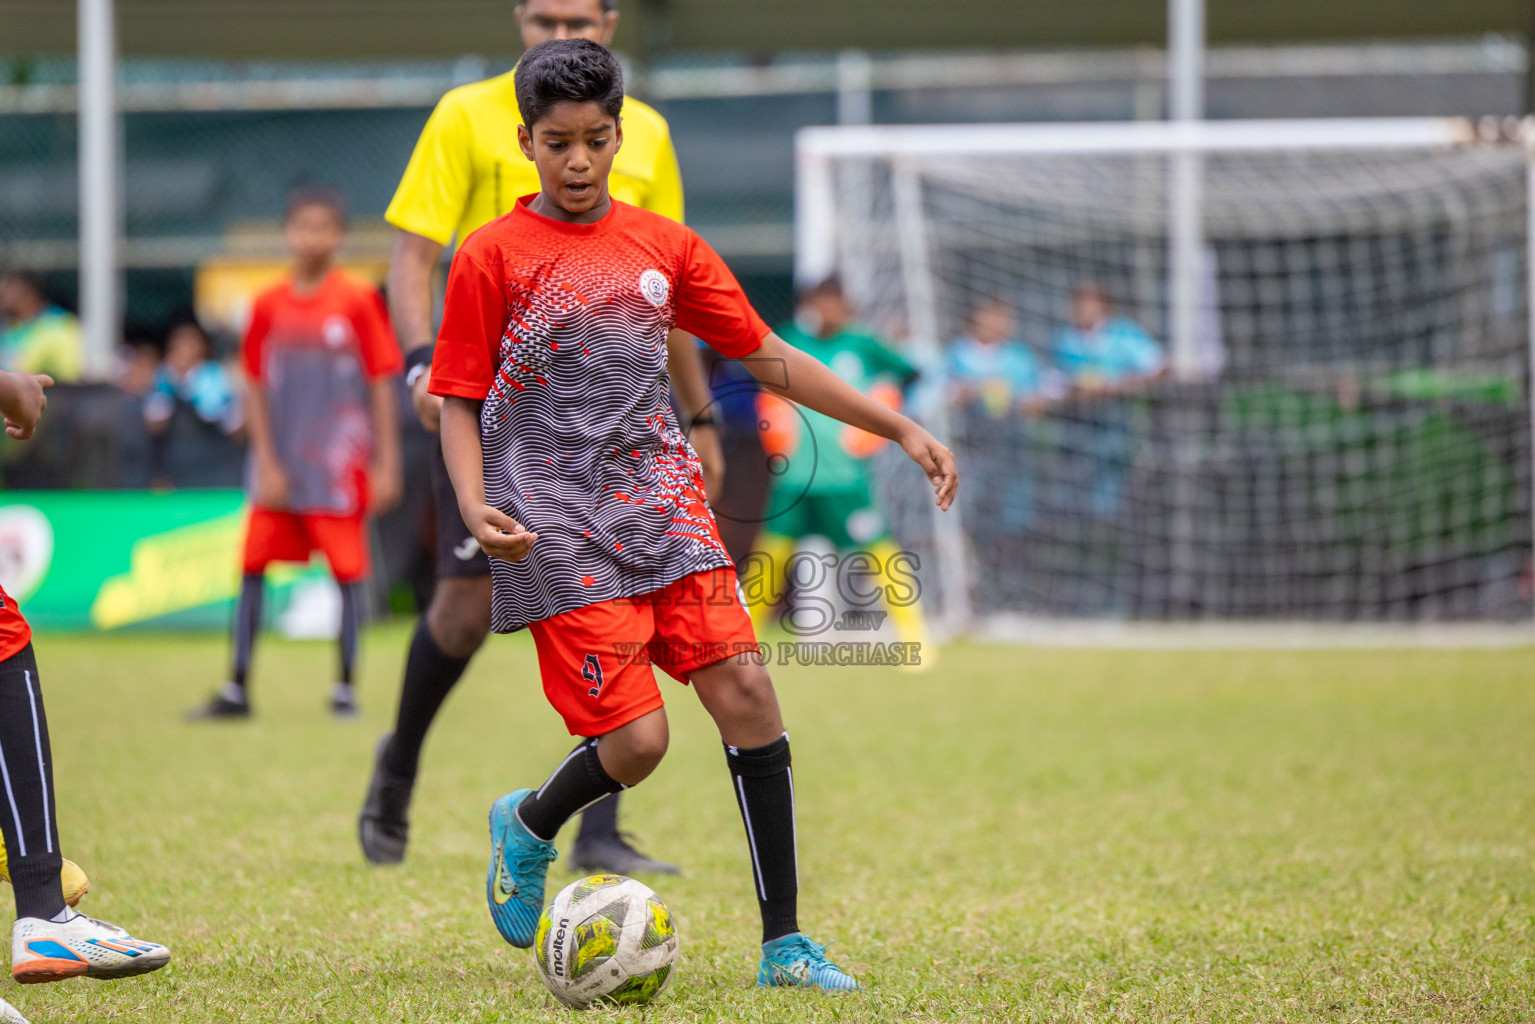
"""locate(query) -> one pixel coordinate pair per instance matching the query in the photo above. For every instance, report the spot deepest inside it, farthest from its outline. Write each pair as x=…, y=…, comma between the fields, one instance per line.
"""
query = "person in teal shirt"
x=821, y=484
x=998, y=390
x=1107, y=359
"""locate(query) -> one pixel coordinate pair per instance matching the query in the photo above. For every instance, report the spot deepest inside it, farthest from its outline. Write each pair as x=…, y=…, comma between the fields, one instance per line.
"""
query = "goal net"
x=1251, y=370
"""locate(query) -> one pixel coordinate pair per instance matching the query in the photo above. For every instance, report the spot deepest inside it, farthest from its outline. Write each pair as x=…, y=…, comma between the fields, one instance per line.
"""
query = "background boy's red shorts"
x=273, y=536
x=596, y=661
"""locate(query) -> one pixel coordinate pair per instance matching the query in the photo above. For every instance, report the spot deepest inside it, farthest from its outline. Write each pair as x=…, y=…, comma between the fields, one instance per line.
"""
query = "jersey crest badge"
x=655, y=287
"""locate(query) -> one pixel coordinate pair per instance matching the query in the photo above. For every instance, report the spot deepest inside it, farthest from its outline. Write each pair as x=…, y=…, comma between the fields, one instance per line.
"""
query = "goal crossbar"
x=1134, y=137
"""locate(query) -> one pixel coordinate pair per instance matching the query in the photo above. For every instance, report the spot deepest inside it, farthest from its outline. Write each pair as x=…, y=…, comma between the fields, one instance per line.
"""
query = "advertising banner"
x=105, y=560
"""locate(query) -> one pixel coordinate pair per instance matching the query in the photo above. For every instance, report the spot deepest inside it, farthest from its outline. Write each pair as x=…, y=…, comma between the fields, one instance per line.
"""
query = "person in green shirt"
x=39, y=337
x=820, y=467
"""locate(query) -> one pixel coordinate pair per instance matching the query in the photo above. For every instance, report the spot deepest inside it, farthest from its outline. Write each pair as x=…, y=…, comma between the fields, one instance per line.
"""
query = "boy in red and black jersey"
x=49, y=941
x=320, y=362
x=574, y=477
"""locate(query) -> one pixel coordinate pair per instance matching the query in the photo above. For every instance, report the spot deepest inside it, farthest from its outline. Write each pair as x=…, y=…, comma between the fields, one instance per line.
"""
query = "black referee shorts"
x=458, y=553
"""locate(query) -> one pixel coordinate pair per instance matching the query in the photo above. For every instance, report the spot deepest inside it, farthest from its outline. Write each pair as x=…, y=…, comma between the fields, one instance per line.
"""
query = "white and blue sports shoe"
x=10, y=1015
x=519, y=863
x=81, y=947
x=795, y=961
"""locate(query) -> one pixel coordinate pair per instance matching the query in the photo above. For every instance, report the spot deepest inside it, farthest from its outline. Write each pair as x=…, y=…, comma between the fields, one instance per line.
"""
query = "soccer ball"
x=605, y=938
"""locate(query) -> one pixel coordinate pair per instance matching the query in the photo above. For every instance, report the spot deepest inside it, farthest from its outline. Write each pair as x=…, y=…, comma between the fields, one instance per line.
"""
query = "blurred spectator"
x=39, y=337
x=996, y=386
x=823, y=487
x=989, y=367
x=194, y=414
x=138, y=362
x=1106, y=359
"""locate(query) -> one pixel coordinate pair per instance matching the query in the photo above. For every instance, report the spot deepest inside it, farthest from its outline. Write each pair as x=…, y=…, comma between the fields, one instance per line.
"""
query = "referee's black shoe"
x=383, y=828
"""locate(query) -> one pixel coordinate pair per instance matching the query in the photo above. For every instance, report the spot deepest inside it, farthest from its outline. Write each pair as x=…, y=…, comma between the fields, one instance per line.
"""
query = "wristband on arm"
x=418, y=361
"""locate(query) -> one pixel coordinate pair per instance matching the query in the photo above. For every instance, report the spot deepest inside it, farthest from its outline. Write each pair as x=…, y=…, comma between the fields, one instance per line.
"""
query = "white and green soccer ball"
x=605, y=938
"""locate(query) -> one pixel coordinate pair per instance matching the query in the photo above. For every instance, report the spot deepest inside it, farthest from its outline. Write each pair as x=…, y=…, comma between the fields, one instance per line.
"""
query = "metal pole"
x=1185, y=230
x=1185, y=92
x=855, y=88
x=99, y=298
x=1527, y=131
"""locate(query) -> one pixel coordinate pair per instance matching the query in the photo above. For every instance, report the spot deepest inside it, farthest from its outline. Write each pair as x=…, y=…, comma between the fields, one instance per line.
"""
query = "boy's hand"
x=428, y=406
x=705, y=439
x=499, y=535
x=386, y=484
x=936, y=461
x=271, y=485
x=26, y=404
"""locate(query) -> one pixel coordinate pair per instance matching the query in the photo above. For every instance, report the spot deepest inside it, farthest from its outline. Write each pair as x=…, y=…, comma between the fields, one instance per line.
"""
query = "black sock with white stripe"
x=577, y=783
x=26, y=769
x=764, y=786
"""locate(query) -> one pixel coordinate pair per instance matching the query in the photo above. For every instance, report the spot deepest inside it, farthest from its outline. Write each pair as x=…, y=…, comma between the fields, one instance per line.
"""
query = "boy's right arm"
x=499, y=535
x=271, y=479
x=22, y=401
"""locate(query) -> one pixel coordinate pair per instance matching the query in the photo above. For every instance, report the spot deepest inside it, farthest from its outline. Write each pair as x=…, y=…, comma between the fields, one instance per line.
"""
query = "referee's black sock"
x=430, y=675
x=27, y=819
x=579, y=781
x=763, y=782
x=247, y=625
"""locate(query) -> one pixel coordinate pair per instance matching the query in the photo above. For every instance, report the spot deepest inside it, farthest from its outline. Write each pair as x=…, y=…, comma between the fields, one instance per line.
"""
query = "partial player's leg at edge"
x=49, y=941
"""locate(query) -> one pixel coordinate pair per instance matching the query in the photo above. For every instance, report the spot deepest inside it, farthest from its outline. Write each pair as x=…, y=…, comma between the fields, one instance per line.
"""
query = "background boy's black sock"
x=430, y=675
x=578, y=781
x=599, y=821
x=764, y=786
x=247, y=625
x=27, y=817
x=352, y=597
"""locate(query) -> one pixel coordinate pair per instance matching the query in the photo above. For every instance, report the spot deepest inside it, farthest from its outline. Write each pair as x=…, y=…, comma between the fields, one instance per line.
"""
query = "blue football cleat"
x=799, y=962
x=519, y=862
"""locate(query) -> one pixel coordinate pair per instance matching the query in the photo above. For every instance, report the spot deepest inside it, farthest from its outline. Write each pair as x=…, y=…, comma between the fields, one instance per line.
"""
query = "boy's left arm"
x=810, y=383
x=386, y=479
x=382, y=361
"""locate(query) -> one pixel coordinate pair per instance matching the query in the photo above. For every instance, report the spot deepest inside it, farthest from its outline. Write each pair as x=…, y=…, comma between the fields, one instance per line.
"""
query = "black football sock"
x=599, y=822
x=27, y=818
x=764, y=786
x=580, y=780
x=430, y=675
x=247, y=625
x=352, y=598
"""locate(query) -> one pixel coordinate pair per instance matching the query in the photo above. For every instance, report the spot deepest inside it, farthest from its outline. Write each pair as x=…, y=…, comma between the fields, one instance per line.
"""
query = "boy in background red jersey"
x=574, y=477
x=49, y=941
x=320, y=362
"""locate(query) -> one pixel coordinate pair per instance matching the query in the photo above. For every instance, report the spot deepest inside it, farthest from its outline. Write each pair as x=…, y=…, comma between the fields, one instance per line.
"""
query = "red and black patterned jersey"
x=561, y=329
x=14, y=631
x=316, y=353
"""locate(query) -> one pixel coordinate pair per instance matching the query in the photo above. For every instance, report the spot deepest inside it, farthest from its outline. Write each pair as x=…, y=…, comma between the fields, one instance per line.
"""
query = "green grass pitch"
x=1019, y=835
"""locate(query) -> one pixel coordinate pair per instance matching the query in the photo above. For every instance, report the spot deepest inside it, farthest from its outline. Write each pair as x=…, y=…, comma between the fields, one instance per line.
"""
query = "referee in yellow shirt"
x=466, y=171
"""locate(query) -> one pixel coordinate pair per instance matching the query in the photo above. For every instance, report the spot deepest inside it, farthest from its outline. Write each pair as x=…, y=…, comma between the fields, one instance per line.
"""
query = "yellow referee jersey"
x=467, y=168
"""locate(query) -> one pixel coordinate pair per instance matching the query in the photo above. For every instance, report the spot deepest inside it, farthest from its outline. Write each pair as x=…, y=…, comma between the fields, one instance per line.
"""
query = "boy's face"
x=573, y=146
x=542, y=20
x=313, y=233
x=185, y=349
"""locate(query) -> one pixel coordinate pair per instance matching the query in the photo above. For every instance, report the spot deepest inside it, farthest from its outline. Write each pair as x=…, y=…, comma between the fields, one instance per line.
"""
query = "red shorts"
x=596, y=661
x=273, y=536
x=15, y=634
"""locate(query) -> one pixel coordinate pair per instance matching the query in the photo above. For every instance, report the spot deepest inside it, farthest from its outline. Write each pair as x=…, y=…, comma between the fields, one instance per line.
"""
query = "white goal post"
x=1342, y=427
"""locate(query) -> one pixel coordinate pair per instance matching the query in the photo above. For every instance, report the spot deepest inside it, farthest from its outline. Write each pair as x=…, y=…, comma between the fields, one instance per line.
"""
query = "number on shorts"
x=592, y=673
